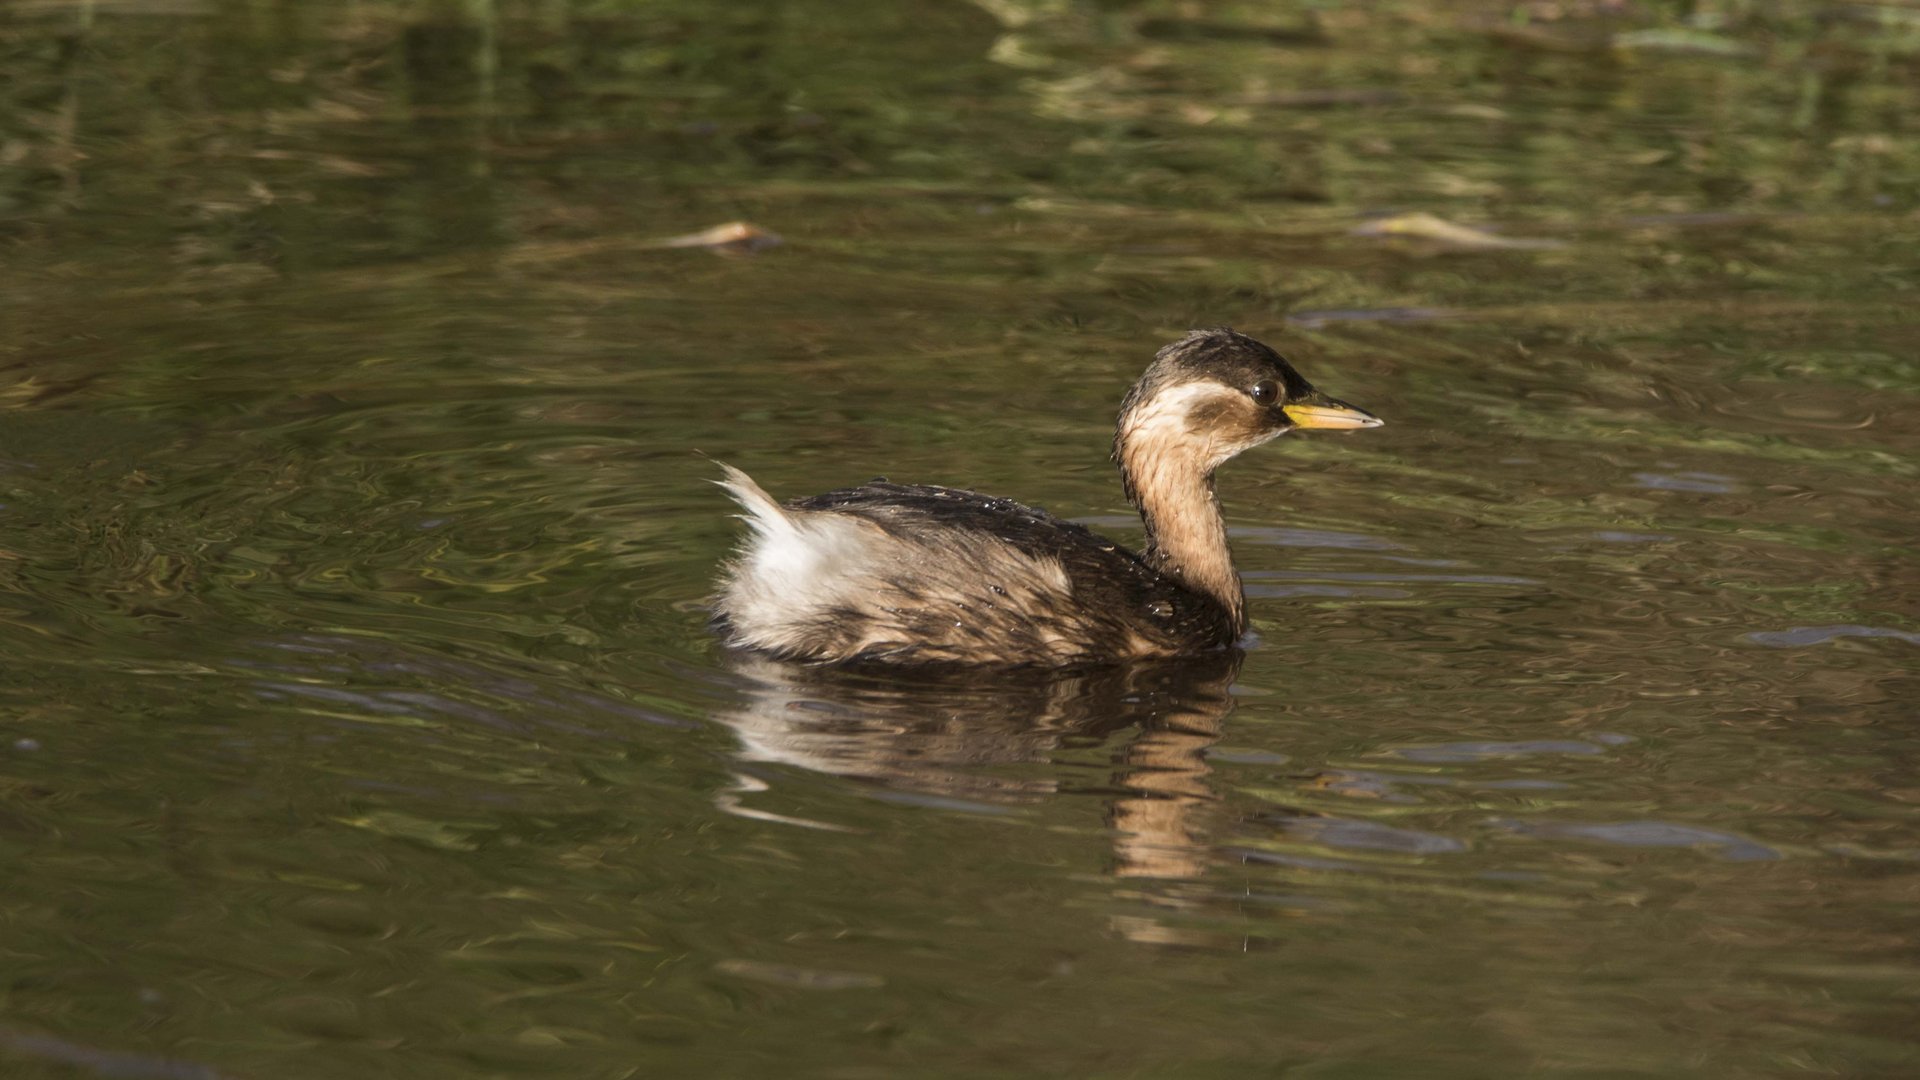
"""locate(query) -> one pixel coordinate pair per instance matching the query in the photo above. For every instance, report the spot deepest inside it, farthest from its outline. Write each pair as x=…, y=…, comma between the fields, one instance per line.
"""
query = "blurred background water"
x=357, y=714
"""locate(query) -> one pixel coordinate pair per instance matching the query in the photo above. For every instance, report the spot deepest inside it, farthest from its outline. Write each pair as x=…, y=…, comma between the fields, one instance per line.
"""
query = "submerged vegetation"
x=242, y=113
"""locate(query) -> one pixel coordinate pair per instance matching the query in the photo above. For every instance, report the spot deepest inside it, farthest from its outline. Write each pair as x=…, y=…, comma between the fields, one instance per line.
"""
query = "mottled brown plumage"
x=901, y=573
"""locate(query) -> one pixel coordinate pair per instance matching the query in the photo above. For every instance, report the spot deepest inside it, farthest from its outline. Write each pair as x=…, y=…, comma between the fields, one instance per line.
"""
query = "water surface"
x=358, y=716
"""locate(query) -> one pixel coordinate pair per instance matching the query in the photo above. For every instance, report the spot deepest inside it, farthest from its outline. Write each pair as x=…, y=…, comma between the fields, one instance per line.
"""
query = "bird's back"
x=910, y=573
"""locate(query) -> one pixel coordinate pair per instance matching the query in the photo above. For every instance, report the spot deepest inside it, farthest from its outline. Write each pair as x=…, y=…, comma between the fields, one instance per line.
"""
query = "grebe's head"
x=1215, y=393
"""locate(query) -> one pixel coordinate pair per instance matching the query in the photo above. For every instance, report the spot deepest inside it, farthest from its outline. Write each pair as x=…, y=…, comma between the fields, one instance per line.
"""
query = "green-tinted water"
x=357, y=716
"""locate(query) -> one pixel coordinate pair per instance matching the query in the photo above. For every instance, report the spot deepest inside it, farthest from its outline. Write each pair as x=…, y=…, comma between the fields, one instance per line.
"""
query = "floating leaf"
x=1424, y=226
x=733, y=238
x=1688, y=41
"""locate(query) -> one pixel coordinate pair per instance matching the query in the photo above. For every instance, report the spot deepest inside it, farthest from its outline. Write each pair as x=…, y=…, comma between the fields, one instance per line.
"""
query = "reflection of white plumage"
x=948, y=735
x=899, y=573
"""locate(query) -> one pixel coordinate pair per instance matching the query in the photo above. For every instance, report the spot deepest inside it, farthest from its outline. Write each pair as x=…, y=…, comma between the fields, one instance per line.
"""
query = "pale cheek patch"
x=1197, y=423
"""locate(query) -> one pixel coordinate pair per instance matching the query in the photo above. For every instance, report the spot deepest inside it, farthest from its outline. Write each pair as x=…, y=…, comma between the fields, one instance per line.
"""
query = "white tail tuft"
x=796, y=568
x=764, y=515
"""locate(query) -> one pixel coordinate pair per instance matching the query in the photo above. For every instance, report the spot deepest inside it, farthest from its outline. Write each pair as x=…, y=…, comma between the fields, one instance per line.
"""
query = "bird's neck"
x=1186, y=536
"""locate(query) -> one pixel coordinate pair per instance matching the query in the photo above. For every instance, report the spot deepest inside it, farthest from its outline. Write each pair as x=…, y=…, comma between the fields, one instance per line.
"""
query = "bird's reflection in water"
x=952, y=735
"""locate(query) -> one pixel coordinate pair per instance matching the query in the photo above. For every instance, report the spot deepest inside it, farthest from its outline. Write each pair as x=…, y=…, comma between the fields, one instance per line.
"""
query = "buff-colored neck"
x=1186, y=536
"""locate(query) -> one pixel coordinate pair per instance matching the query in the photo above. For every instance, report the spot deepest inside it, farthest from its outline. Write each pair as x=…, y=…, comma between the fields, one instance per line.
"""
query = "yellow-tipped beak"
x=1324, y=413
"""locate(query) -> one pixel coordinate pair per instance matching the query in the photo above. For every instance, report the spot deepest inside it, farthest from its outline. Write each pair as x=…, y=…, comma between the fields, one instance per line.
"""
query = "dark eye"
x=1266, y=392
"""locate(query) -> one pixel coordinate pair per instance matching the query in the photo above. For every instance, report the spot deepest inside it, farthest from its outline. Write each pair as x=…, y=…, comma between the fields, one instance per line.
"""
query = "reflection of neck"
x=1186, y=536
x=1163, y=824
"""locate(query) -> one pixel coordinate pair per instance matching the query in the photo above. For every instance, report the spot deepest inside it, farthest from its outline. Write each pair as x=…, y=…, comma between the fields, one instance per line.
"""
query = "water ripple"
x=1370, y=836
x=1819, y=635
x=1650, y=834
x=1484, y=751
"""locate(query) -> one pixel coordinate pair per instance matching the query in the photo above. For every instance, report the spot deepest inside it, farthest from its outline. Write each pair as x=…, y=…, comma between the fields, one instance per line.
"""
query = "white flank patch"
x=821, y=583
x=794, y=550
x=796, y=565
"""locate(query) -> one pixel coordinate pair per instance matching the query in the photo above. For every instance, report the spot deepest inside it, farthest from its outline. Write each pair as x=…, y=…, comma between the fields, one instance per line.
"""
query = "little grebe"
x=906, y=574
